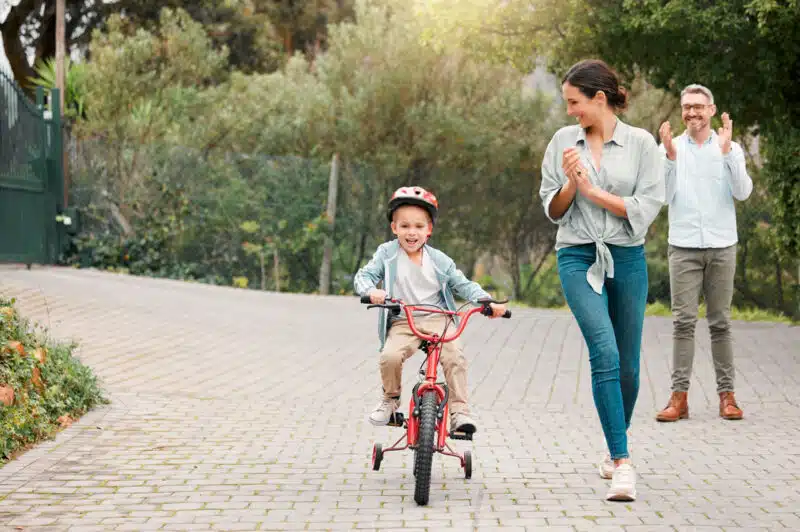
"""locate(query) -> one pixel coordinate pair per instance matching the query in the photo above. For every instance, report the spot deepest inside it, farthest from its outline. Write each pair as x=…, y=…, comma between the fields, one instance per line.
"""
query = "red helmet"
x=414, y=196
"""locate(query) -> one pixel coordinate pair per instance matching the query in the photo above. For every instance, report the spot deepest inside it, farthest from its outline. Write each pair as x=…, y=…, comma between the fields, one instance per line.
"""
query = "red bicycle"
x=426, y=425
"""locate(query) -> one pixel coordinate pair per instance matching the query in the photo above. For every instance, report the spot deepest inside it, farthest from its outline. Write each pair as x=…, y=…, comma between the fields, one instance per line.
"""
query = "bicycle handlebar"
x=395, y=305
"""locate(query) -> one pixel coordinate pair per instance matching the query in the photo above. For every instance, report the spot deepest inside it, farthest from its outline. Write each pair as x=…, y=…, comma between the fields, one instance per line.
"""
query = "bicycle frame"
x=434, y=349
x=432, y=416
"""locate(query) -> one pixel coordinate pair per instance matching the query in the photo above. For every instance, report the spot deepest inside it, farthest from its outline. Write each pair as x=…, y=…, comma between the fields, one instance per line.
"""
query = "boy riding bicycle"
x=415, y=272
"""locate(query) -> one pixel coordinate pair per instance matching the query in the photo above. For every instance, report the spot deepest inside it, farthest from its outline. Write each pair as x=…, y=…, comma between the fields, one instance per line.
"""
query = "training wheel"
x=377, y=456
x=467, y=464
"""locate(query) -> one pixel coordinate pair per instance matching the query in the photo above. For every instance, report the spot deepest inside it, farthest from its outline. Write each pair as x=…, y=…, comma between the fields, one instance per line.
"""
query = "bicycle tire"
x=423, y=464
x=377, y=456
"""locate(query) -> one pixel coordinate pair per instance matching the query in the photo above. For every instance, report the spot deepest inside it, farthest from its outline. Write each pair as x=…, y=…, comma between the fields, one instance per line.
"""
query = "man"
x=704, y=172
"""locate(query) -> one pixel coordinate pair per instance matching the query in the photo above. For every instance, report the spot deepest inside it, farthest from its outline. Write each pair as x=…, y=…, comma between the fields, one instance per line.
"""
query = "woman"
x=602, y=186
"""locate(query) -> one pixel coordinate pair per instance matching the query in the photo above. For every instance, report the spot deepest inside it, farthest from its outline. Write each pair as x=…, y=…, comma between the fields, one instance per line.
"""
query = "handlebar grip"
x=487, y=311
x=365, y=300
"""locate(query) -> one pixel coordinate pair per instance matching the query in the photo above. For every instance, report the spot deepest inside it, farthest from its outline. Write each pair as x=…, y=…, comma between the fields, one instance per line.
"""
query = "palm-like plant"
x=74, y=96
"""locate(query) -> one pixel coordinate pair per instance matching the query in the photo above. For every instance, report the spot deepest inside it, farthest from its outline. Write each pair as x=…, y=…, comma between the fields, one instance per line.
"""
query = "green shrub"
x=46, y=394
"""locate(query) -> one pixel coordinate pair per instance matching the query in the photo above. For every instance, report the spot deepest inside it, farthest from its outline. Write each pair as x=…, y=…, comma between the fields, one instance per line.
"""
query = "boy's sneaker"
x=461, y=422
x=606, y=467
x=623, y=484
x=383, y=412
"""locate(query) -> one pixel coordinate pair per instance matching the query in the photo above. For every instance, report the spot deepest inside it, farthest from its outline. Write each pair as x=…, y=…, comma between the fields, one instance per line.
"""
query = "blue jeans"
x=611, y=324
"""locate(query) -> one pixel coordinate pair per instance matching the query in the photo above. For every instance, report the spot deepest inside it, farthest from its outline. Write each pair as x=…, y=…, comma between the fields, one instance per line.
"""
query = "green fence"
x=31, y=176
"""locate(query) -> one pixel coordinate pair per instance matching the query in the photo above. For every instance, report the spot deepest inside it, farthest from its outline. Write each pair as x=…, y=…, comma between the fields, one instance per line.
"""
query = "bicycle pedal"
x=461, y=436
x=397, y=420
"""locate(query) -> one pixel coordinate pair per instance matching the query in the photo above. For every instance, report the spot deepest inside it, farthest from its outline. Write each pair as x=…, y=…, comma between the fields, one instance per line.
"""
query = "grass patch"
x=661, y=309
x=43, y=387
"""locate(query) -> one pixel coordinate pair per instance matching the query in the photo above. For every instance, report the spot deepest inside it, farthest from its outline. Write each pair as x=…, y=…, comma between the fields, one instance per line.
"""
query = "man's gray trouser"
x=692, y=270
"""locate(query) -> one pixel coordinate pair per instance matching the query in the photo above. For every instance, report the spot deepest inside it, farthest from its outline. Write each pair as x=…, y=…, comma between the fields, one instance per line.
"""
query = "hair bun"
x=591, y=76
x=620, y=100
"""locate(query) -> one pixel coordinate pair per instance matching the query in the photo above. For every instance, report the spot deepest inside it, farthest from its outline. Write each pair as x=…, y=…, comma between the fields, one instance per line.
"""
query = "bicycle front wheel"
x=423, y=462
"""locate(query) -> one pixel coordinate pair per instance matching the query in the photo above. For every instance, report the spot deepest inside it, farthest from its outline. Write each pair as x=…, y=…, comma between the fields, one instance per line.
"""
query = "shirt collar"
x=711, y=137
x=617, y=138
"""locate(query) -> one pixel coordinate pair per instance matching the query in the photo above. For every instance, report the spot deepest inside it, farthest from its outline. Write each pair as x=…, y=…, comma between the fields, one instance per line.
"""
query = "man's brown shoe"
x=728, y=409
x=678, y=408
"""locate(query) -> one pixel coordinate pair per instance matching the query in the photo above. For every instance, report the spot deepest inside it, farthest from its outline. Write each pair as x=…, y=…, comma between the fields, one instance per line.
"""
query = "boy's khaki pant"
x=401, y=344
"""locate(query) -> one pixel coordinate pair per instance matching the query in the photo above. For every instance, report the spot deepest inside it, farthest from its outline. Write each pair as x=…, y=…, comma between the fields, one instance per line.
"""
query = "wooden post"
x=61, y=46
x=60, y=50
x=327, y=253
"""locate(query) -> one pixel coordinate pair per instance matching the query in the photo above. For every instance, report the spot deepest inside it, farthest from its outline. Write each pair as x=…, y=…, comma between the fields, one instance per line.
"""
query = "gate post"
x=55, y=179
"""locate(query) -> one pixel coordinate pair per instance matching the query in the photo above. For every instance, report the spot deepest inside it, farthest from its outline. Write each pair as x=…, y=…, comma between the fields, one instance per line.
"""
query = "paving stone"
x=245, y=410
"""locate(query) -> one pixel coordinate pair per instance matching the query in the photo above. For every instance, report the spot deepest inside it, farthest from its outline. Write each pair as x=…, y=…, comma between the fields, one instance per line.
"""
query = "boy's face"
x=412, y=225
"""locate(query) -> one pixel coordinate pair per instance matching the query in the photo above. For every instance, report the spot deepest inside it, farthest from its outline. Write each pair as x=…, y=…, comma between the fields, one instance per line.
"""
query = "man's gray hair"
x=696, y=88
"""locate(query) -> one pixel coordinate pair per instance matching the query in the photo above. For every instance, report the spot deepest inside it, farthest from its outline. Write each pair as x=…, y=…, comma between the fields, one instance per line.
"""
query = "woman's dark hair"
x=593, y=75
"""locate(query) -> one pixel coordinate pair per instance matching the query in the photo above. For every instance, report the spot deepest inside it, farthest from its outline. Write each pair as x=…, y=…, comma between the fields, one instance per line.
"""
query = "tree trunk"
x=287, y=42
x=12, y=43
x=276, y=269
x=515, y=275
x=779, y=280
x=261, y=262
x=473, y=265
x=535, y=271
x=46, y=44
x=743, y=266
x=797, y=294
x=327, y=252
x=362, y=245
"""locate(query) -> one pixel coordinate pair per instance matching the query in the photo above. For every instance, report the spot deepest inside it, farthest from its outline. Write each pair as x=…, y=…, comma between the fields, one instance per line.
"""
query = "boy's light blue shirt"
x=383, y=267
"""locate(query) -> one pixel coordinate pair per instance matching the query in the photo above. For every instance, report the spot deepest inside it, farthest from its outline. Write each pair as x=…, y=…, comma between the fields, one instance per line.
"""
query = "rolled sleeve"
x=552, y=181
x=649, y=193
x=736, y=172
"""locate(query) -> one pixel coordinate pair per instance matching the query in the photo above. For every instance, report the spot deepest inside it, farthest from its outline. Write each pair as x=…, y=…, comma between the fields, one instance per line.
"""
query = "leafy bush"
x=49, y=386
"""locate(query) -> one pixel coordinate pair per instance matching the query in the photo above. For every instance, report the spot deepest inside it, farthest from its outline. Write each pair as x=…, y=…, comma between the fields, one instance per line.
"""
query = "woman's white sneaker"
x=623, y=484
x=606, y=467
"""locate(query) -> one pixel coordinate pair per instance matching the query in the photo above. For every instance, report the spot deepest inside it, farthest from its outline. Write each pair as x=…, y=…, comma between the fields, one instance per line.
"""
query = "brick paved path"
x=239, y=410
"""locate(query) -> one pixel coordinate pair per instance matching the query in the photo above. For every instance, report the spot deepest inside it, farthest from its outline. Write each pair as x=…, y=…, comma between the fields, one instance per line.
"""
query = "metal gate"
x=31, y=176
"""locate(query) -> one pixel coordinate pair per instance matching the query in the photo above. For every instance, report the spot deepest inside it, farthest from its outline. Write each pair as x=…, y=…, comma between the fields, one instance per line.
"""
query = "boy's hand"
x=497, y=310
x=377, y=296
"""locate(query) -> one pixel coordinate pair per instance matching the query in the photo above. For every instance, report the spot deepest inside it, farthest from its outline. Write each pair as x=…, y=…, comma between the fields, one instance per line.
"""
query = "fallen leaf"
x=6, y=395
x=65, y=421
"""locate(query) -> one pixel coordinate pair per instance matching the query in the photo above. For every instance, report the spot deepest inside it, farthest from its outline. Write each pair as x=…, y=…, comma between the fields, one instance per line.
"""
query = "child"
x=417, y=274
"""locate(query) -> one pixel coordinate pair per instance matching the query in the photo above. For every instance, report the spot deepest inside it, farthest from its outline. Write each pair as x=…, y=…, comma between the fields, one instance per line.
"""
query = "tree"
x=515, y=32
x=30, y=26
x=139, y=87
x=259, y=34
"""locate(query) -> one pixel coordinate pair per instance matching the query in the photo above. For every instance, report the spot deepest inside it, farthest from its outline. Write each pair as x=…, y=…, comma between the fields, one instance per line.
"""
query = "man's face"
x=696, y=112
